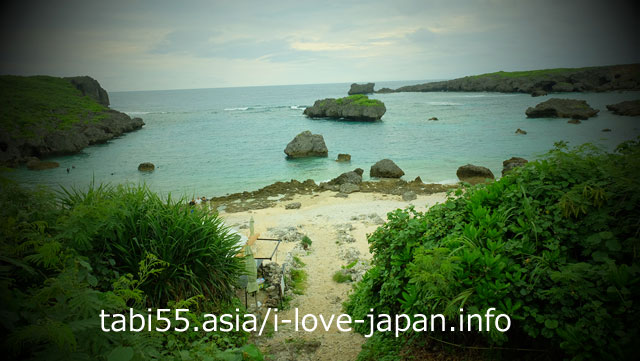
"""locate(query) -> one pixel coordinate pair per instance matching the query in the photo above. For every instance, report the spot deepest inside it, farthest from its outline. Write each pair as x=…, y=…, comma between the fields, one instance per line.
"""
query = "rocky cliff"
x=592, y=79
x=42, y=116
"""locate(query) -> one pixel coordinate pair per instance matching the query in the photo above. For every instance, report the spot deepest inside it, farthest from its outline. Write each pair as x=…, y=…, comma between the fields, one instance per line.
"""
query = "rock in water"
x=538, y=93
x=433, y=118
x=574, y=121
x=344, y=158
x=306, y=144
x=520, y=131
x=360, y=171
x=385, y=168
x=361, y=88
x=562, y=108
x=474, y=174
x=36, y=164
x=91, y=88
x=353, y=107
x=511, y=163
x=630, y=108
x=146, y=167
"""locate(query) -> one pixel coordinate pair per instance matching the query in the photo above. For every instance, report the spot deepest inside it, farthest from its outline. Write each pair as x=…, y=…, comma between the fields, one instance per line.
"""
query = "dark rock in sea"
x=520, y=131
x=347, y=177
x=606, y=130
x=385, y=90
x=294, y=205
x=353, y=107
x=91, y=88
x=409, y=196
x=433, y=118
x=344, y=158
x=474, y=174
x=562, y=108
x=146, y=167
x=629, y=107
x=360, y=171
x=361, y=88
x=511, y=163
x=306, y=144
x=418, y=180
x=349, y=188
x=36, y=164
x=574, y=121
x=385, y=168
x=538, y=93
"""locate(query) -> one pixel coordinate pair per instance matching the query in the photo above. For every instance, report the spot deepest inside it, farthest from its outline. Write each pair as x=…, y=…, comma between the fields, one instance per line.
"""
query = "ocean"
x=210, y=142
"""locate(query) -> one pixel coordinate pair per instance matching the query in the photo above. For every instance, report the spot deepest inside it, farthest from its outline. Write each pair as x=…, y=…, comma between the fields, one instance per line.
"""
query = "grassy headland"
x=44, y=115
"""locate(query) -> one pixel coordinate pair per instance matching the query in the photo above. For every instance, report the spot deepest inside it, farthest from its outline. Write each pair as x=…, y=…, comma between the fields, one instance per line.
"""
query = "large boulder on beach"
x=306, y=144
x=385, y=168
x=562, y=108
x=353, y=107
x=511, y=163
x=474, y=173
x=361, y=88
x=348, y=177
x=629, y=107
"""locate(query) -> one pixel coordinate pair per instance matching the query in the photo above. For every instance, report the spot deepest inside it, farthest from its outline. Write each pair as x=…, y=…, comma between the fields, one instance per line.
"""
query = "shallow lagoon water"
x=209, y=142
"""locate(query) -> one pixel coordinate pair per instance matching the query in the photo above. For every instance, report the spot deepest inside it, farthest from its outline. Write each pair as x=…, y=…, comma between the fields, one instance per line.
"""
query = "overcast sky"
x=162, y=44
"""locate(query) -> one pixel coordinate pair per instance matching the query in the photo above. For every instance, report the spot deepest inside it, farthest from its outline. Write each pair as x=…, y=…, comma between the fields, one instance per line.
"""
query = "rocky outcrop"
x=592, y=79
x=354, y=107
x=562, y=108
x=511, y=163
x=52, y=132
x=36, y=164
x=348, y=177
x=474, y=174
x=629, y=108
x=146, y=167
x=306, y=144
x=385, y=168
x=361, y=88
x=344, y=158
x=91, y=88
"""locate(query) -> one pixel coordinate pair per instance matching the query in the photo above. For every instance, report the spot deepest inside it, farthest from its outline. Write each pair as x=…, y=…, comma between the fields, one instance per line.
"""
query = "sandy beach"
x=328, y=221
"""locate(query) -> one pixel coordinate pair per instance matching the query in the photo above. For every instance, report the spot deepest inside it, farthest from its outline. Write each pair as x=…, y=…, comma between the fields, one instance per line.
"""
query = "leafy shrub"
x=553, y=245
x=306, y=242
x=298, y=281
x=341, y=277
x=51, y=293
x=125, y=223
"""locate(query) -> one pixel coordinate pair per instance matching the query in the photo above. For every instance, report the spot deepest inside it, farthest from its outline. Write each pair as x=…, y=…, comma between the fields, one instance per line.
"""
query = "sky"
x=169, y=44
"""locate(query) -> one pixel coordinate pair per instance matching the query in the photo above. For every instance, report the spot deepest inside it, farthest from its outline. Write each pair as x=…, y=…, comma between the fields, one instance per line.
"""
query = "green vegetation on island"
x=352, y=107
x=553, y=244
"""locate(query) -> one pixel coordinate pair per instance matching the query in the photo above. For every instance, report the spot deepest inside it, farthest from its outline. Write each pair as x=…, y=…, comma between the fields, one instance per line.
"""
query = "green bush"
x=341, y=277
x=51, y=292
x=553, y=244
x=117, y=227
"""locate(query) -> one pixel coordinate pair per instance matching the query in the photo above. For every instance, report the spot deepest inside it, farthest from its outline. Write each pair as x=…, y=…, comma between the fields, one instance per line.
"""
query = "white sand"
x=316, y=218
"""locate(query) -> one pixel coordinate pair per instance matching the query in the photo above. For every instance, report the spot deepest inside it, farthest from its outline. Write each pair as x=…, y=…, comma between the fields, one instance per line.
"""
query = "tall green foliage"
x=553, y=244
x=62, y=262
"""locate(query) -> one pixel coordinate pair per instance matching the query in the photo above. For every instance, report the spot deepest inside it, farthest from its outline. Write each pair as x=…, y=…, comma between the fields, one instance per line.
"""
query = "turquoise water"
x=209, y=142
